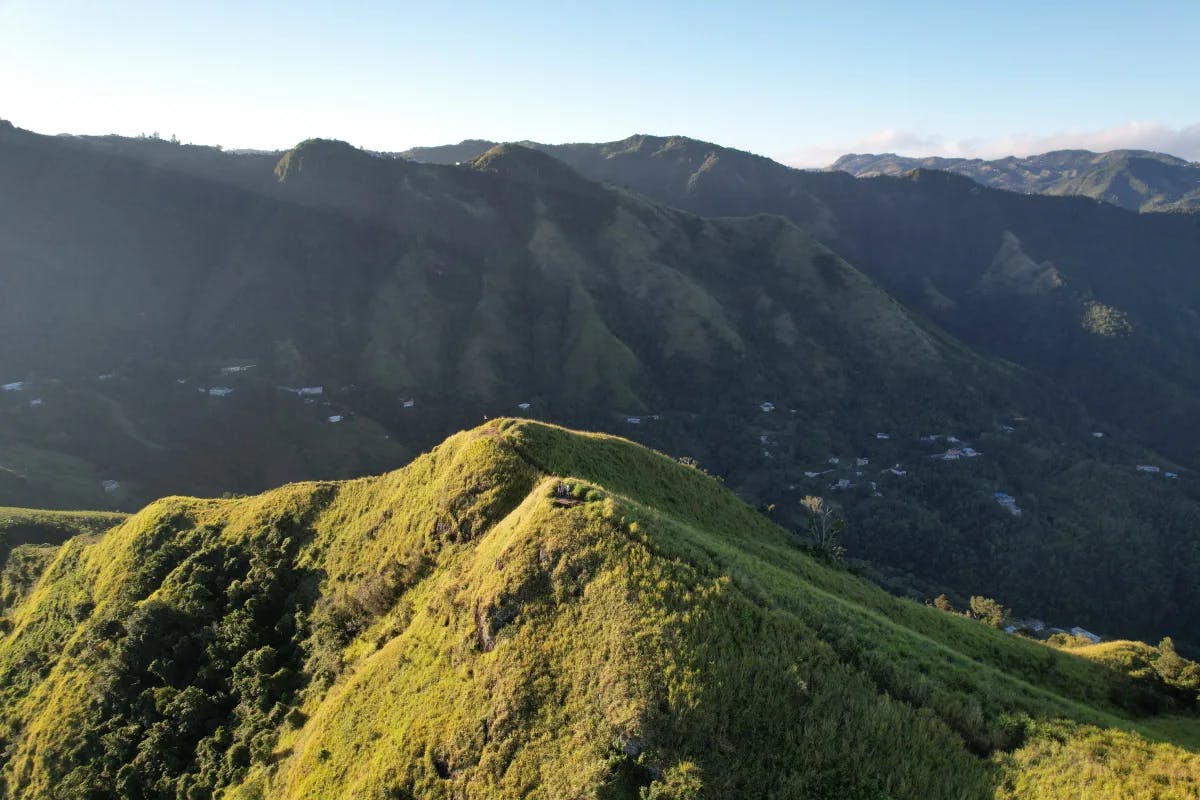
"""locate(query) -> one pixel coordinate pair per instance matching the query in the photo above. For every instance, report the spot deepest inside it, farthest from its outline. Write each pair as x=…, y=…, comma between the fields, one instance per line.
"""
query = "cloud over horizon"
x=1183, y=142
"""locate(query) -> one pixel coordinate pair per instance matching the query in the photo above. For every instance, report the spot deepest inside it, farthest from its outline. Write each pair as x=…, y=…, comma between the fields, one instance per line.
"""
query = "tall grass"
x=528, y=611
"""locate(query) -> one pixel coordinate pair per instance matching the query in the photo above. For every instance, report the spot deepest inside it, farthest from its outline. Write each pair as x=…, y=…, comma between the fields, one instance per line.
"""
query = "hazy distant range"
x=1138, y=180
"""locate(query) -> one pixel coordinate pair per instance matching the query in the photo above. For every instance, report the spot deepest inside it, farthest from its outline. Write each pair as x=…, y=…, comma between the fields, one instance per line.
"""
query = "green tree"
x=988, y=611
x=942, y=603
x=825, y=527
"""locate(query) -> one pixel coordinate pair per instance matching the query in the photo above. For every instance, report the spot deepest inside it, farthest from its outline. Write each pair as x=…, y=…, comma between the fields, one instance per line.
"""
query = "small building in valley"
x=1008, y=502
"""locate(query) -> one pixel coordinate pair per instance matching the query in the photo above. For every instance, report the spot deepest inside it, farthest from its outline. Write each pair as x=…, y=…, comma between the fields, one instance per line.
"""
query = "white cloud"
x=1183, y=142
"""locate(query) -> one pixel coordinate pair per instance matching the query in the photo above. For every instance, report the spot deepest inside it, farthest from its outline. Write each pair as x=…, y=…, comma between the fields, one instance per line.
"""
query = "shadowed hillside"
x=137, y=294
x=1117, y=323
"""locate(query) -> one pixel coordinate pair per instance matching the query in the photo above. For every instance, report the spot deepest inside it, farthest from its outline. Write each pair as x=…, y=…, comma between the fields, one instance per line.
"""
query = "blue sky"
x=800, y=82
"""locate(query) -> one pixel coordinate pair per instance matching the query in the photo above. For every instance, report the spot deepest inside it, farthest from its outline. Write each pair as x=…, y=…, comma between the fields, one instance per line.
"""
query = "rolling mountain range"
x=1138, y=180
x=530, y=612
x=183, y=320
x=1099, y=300
x=467, y=291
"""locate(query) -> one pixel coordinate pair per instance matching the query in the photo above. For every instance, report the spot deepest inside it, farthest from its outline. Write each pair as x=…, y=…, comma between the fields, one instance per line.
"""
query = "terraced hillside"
x=526, y=611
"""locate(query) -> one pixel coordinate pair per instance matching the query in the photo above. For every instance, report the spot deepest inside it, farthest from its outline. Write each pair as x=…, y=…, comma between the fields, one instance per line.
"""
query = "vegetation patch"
x=1105, y=320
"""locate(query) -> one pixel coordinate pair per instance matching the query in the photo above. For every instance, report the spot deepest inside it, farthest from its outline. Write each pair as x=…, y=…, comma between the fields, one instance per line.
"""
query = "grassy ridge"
x=29, y=539
x=528, y=611
x=31, y=526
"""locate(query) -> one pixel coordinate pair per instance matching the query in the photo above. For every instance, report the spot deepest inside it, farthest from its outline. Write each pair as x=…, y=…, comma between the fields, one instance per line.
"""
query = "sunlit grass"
x=528, y=611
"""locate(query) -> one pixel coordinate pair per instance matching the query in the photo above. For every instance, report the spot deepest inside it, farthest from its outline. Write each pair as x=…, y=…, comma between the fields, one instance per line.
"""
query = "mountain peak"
x=321, y=157
x=527, y=165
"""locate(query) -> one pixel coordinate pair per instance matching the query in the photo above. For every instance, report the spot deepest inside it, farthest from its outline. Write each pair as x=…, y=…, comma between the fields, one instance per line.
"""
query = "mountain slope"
x=1100, y=303
x=20, y=526
x=1137, y=180
x=1115, y=320
x=129, y=285
x=180, y=327
x=531, y=612
x=466, y=150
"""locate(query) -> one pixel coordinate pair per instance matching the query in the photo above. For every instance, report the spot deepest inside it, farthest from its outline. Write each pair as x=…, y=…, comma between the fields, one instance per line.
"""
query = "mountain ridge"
x=528, y=611
x=928, y=238
x=202, y=335
x=383, y=206
x=1137, y=180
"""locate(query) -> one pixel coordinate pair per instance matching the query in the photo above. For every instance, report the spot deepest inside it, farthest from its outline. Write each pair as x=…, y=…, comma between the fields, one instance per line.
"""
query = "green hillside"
x=942, y=244
x=135, y=290
x=29, y=541
x=163, y=323
x=526, y=611
x=34, y=526
x=1114, y=321
x=187, y=321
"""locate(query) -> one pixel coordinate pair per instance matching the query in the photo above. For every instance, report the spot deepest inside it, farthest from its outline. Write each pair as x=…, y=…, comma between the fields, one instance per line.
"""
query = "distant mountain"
x=531, y=612
x=182, y=320
x=1139, y=180
x=466, y=150
x=139, y=291
x=1099, y=300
